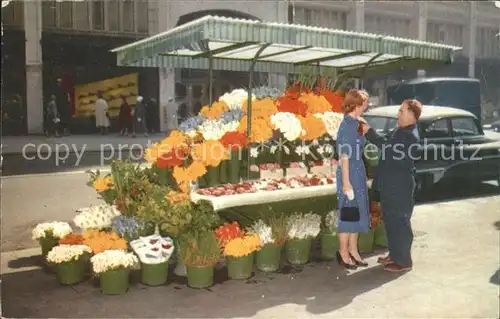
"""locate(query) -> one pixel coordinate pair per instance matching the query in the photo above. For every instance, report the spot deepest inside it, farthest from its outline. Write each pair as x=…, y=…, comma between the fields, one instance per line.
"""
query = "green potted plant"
x=301, y=229
x=273, y=235
x=113, y=267
x=70, y=261
x=200, y=252
x=153, y=252
x=48, y=235
x=329, y=238
x=380, y=234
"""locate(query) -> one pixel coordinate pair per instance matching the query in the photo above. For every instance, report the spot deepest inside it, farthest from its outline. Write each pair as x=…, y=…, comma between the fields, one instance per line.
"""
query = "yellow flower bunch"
x=103, y=183
x=210, y=153
x=191, y=173
x=242, y=246
x=152, y=153
x=260, y=131
x=174, y=197
x=315, y=103
x=215, y=111
x=313, y=127
x=175, y=140
x=261, y=108
x=100, y=241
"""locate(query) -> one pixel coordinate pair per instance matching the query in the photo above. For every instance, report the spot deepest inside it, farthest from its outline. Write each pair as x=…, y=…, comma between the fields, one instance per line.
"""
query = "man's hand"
x=364, y=128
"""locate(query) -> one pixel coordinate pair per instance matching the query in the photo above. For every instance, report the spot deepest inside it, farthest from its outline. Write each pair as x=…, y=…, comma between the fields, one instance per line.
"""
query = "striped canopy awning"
x=232, y=44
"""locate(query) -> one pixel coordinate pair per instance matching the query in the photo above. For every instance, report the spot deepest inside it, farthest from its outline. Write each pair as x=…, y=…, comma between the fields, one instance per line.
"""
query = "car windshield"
x=381, y=124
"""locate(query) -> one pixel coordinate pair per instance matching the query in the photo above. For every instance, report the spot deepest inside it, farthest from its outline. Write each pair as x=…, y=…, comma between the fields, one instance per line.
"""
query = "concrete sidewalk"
x=455, y=275
x=91, y=143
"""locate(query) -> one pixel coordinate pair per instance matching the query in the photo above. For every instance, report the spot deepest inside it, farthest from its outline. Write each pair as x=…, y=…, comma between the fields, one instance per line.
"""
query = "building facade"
x=77, y=35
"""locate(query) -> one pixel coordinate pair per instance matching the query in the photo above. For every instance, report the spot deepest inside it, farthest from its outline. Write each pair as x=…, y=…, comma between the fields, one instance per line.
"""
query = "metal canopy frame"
x=247, y=45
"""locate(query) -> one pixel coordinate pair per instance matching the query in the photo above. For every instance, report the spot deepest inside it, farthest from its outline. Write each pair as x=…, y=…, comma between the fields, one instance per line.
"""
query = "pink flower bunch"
x=297, y=165
x=269, y=166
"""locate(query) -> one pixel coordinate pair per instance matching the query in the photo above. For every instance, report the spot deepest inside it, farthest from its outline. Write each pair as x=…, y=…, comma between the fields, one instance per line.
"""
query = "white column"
x=360, y=16
x=419, y=25
x=34, y=80
x=472, y=39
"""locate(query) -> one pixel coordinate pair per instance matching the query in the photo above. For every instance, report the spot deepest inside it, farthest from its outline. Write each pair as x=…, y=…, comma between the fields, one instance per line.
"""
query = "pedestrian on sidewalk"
x=151, y=115
x=51, y=118
x=63, y=107
x=101, y=114
x=352, y=190
x=125, y=117
x=140, y=116
x=395, y=180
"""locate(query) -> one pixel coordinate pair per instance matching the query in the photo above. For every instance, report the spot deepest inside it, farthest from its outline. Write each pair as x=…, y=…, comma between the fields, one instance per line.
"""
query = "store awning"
x=232, y=44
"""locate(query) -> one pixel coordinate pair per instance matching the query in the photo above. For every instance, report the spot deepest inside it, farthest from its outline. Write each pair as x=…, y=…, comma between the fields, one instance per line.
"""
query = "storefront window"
x=128, y=16
x=113, y=15
x=98, y=15
x=65, y=14
x=82, y=15
x=142, y=16
x=49, y=14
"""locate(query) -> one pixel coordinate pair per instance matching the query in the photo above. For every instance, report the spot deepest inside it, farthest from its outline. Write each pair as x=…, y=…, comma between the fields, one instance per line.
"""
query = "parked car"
x=454, y=145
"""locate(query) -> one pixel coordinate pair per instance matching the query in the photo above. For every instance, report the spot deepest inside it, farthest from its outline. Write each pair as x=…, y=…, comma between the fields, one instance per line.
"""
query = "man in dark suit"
x=395, y=180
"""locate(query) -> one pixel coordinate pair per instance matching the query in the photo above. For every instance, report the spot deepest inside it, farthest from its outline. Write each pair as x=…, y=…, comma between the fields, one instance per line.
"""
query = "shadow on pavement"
x=445, y=192
x=320, y=287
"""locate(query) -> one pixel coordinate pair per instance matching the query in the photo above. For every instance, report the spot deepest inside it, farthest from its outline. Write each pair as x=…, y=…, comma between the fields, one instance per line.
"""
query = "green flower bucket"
x=240, y=267
x=380, y=235
x=154, y=274
x=115, y=282
x=233, y=168
x=329, y=246
x=366, y=242
x=213, y=176
x=297, y=251
x=200, y=277
x=268, y=259
x=46, y=244
x=223, y=172
x=71, y=272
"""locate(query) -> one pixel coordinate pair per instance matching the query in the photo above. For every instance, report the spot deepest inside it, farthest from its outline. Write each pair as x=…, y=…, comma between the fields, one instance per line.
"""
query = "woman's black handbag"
x=349, y=214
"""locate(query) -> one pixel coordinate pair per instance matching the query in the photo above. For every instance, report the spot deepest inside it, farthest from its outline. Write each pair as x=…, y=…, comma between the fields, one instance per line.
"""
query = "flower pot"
x=329, y=246
x=297, y=251
x=200, y=277
x=46, y=244
x=213, y=176
x=268, y=258
x=240, y=267
x=114, y=282
x=154, y=274
x=366, y=242
x=380, y=236
x=71, y=272
x=233, y=169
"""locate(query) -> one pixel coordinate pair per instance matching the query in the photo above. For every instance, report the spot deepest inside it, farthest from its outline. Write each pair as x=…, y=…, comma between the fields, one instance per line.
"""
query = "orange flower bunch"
x=100, y=241
x=234, y=141
x=315, y=103
x=261, y=108
x=176, y=140
x=174, y=197
x=291, y=105
x=313, y=127
x=215, y=111
x=71, y=239
x=228, y=231
x=261, y=129
x=334, y=98
x=191, y=173
x=210, y=153
x=103, y=183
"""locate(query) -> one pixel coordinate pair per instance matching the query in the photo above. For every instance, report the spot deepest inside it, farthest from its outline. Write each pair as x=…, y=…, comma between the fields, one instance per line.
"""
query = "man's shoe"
x=384, y=260
x=396, y=268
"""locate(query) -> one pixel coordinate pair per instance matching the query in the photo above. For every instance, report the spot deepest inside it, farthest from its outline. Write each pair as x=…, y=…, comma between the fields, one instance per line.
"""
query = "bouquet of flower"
x=51, y=230
x=227, y=232
x=153, y=249
x=96, y=217
x=331, y=222
x=71, y=239
x=199, y=249
x=127, y=227
x=66, y=253
x=100, y=241
x=242, y=246
x=302, y=226
x=264, y=231
x=113, y=259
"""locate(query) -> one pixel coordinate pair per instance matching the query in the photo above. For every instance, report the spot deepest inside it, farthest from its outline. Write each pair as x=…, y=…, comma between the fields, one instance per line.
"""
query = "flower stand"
x=154, y=274
x=366, y=242
x=329, y=246
x=268, y=258
x=46, y=244
x=213, y=176
x=114, y=282
x=296, y=171
x=200, y=277
x=240, y=267
x=71, y=272
x=380, y=235
x=297, y=251
x=223, y=172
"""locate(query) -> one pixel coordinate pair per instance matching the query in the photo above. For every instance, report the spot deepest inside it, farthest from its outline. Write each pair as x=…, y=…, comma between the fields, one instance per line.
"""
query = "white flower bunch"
x=264, y=231
x=96, y=217
x=332, y=122
x=64, y=253
x=302, y=226
x=331, y=222
x=53, y=229
x=236, y=98
x=153, y=249
x=113, y=259
x=288, y=124
x=215, y=129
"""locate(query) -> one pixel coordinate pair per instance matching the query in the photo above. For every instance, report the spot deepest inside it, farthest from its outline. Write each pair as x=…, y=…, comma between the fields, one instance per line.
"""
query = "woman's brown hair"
x=415, y=107
x=352, y=100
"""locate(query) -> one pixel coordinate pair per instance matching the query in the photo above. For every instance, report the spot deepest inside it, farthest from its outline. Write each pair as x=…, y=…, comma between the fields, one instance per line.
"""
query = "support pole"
x=249, y=101
x=210, y=79
x=365, y=68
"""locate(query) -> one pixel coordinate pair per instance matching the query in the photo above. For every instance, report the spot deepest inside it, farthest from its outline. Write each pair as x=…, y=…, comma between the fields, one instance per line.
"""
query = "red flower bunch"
x=290, y=105
x=234, y=140
x=228, y=231
x=71, y=239
x=172, y=158
x=334, y=98
x=294, y=91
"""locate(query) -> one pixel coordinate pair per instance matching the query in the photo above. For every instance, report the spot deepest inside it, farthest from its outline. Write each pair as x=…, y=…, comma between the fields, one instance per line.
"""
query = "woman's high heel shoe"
x=359, y=263
x=343, y=263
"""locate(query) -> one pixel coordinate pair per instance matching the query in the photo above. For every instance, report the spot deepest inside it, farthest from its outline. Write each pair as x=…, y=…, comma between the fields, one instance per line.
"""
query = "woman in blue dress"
x=351, y=179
